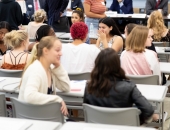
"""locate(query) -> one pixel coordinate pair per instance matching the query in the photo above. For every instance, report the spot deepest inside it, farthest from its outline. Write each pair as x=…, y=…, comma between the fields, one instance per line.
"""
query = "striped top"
x=96, y=6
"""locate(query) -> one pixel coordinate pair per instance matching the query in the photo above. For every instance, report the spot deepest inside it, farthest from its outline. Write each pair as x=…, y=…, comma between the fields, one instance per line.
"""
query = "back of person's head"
x=39, y=16
x=44, y=30
x=15, y=39
x=156, y=23
x=5, y=25
x=107, y=68
x=129, y=27
x=80, y=13
x=136, y=39
x=111, y=23
x=37, y=51
x=79, y=30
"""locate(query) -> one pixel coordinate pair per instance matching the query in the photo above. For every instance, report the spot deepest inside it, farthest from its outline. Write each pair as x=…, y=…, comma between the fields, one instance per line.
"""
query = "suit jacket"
x=76, y=4
x=150, y=6
x=34, y=86
x=54, y=8
x=30, y=6
x=127, y=7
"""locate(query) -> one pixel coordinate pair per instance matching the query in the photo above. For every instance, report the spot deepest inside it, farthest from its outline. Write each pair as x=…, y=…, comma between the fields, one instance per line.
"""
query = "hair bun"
x=79, y=9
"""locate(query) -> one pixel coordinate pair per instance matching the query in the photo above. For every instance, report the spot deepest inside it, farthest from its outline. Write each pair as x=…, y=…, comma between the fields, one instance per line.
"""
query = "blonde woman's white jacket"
x=34, y=85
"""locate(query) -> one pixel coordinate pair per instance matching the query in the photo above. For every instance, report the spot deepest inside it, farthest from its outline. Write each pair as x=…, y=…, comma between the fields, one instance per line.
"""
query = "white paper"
x=111, y=13
x=139, y=15
x=69, y=13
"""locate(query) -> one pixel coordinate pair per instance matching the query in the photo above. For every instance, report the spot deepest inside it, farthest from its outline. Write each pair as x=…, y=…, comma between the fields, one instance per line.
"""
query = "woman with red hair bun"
x=79, y=57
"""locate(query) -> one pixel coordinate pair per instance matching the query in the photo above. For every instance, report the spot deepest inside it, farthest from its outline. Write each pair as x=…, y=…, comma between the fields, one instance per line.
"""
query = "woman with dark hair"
x=129, y=27
x=109, y=35
x=44, y=30
x=4, y=28
x=109, y=87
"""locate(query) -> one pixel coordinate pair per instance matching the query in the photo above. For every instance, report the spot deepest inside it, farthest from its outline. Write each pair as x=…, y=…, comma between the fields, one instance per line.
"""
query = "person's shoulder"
x=126, y=84
x=150, y=52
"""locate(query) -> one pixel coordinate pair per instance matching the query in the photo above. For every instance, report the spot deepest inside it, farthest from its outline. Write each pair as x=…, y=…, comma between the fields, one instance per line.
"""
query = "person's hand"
x=119, y=1
x=155, y=117
x=101, y=35
x=160, y=10
x=61, y=14
x=69, y=10
x=64, y=108
x=57, y=63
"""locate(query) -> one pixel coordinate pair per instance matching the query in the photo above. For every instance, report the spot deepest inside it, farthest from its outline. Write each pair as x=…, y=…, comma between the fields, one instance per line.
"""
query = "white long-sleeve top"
x=34, y=84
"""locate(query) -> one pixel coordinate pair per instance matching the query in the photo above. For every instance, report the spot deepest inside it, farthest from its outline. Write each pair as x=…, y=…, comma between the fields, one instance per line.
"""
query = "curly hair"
x=156, y=23
x=79, y=30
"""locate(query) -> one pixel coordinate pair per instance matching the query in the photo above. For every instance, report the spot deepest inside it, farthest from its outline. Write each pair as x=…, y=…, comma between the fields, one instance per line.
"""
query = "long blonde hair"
x=156, y=23
x=14, y=39
x=136, y=39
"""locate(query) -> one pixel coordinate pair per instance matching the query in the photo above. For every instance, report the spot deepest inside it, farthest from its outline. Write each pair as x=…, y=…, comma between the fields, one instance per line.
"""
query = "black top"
x=10, y=11
x=50, y=91
x=126, y=95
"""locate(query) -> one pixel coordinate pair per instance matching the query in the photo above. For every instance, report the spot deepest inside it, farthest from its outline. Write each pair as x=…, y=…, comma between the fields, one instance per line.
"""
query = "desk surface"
x=24, y=124
x=165, y=67
x=161, y=50
x=90, y=126
x=151, y=92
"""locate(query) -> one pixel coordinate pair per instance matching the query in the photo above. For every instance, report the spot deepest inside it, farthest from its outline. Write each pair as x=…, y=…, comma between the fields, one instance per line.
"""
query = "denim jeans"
x=95, y=22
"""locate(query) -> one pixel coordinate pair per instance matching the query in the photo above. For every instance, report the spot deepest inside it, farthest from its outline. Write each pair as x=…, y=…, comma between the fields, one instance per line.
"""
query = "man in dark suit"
x=122, y=6
x=74, y=4
x=56, y=12
x=161, y=5
x=33, y=5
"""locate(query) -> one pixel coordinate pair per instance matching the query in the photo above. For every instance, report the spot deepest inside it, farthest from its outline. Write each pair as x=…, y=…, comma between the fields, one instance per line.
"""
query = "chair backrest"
x=144, y=79
x=135, y=10
x=117, y=116
x=3, y=111
x=161, y=44
x=46, y=112
x=11, y=73
x=79, y=76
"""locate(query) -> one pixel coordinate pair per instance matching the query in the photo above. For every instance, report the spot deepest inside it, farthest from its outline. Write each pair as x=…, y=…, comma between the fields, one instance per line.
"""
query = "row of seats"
x=51, y=112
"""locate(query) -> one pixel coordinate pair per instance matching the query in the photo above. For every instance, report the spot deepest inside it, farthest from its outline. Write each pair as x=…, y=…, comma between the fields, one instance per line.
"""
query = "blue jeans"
x=95, y=22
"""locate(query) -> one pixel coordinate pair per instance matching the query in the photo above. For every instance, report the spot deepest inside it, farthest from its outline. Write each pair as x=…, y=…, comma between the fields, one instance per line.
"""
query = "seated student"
x=39, y=17
x=109, y=35
x=109, y=87
x=156, y=23
x=44, y=30
x=4, y=28
x=136, y=59
x=78, y=57
x=77, y=16
x=122, y=6
x=39, y=81
x=17, y=58
x=129, y=27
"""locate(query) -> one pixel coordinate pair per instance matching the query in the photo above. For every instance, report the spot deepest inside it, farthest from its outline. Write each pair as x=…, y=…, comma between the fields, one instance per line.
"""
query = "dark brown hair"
x=107, y=69
x=129, y=27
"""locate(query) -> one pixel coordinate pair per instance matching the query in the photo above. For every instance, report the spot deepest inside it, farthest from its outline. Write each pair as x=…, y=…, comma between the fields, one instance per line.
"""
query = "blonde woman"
x=39, y=81
x=156, y=24
x=136, y=59
x=39, y=17
x=17, y=58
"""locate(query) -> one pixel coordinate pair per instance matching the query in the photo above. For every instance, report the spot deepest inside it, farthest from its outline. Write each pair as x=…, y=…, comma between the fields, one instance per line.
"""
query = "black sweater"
x=10, y=11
